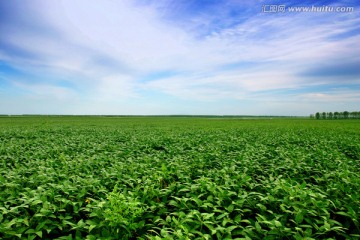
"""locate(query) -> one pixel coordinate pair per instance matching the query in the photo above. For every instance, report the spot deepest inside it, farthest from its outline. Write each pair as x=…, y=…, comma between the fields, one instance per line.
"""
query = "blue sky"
x=177, y=57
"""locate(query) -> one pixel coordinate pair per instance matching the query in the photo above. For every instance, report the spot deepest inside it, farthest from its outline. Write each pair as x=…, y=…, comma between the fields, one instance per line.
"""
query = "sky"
x=197, y=57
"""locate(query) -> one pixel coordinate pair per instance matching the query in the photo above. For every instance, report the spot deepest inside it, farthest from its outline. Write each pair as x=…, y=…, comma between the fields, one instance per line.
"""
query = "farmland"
x=179, y=178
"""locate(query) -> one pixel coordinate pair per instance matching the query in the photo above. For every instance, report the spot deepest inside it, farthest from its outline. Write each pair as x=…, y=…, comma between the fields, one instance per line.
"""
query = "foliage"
x=178, y=178
x=337, y=115
x=123, y=213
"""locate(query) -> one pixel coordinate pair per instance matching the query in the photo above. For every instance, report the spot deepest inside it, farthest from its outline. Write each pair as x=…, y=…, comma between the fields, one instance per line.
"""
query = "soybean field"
x=95, y=177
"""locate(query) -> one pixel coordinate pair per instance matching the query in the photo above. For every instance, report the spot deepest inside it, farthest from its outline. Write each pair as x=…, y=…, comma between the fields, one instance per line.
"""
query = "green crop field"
x=179, y=178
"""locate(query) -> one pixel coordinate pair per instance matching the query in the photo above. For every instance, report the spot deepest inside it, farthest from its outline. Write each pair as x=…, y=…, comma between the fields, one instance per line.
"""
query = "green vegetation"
x=178, y=178
x=336, y=115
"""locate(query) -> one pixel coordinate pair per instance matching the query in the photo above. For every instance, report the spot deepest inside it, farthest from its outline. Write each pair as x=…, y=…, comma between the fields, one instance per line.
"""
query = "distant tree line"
x=336, y=115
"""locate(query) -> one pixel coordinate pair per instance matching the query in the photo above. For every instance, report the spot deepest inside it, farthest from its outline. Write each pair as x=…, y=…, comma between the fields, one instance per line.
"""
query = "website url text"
x=282, y=9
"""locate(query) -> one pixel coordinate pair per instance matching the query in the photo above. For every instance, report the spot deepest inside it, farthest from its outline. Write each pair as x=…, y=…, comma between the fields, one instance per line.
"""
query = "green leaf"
x=231, y=228
x=39, y=233
x=237, y=219
x=257, y=226
x=230, y=208
x=40, y=225
x=343, y=214
x=91, y=227
x=207, y=215
x=327, y=226
x=29, y=231
x=299, y=217
x=221, y=216
x=277, y=223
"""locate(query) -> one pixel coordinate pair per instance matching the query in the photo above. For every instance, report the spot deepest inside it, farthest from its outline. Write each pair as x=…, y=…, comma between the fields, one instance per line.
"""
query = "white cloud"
x=331, y=97
x=104, y=49
x=113, y=88
x=45, y=91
